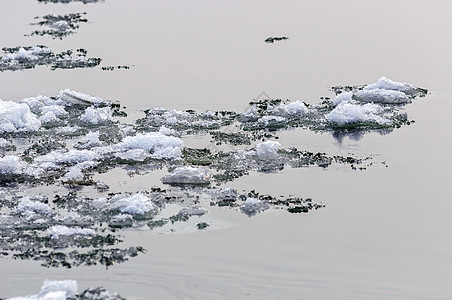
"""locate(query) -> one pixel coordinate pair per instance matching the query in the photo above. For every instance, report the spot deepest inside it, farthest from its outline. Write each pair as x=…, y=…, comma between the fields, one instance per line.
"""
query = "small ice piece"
x=160, y=145
x=188, y=175
x=253, y=206
x=267, y=120
x=74, y=174
x=193, y=211
x=80, y=98
x=26, y=55
x=99, y=203
x=250, y=115
x=344, y=97
x=267, y=150
x=387, y=84
x=294, y=108
x=135, y=154
x=347, y=113
x=382, y=96
x=57, y=289
x=27, y=206
x=97, y=116
x=90, y=140
x=60, y=25
x=61, y=230
x=3, y=143
x=137, y=204
x=167, y=131
x=72, y=157
x=48, y=117
x=57, y=110
x=17, y=117
x=11, y=164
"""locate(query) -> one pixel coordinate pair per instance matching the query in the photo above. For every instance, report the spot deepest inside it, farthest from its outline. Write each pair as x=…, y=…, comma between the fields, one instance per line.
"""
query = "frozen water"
x=266, y=120
x=297, y=108
x=188, y=175
x=17, y=117
x=59, y=230
x=97, y=116
x=135, y=154
x=80, y=98
x=387, y=84
x=193, y=211
x=253, y=206
x=381, y=96
x=90, y=140
x=26, y=55
x=267, y=150
x=348, y=113
x=11, y=164
x=53, y=290
x=137, y=204
x=344, y=97
x=26, y=206
x=160, y=145
x=71, y=157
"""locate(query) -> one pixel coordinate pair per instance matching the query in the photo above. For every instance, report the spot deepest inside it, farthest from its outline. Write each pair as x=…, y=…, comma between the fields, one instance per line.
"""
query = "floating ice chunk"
x=27, y=206
x=48, y=117
x=72, y=157
x=344, y=97
x=347, y=113
x=40, y=103
x=17, y=117
x=90, y=140
x=75, y=173
x=80, y=98
x=57, y=110
x=160, y=145
x=137, y=204
x=267, y=150
x=193, y=211
x=51, y=290
x=267, y=120
x=3, y=143
x=387, y=84
x=99, y=203
x=59, y=230
x=188, y=175
x=250, y=115
x=253, y=206
x=294, y=108
x=23, y=55
x=60, y=25
x=96, y=116
x=135, y=154
x=11, y=164
x=167, y=131
x=382, y=96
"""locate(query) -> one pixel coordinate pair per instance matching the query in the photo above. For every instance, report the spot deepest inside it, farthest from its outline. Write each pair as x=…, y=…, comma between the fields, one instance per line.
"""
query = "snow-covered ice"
x=387, y=84
x=267, y=150
x=27, y=206
x=344, y=97
x=11, y=164
x=348, y=113
x=381, y=96
x=160, y=145
x=97, y=116
x=78, y=98
x=253, y=206
x=61, y=230
x=17, y=117
x=137, y=204
x=188, y=175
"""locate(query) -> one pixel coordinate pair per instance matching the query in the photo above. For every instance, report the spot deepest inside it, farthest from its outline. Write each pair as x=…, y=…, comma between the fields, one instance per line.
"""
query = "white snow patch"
x=26, y=206
x=96, y=116
x=72, y=157
x=160, y=145
x=293, y=108
x=267, y=150
x=17, y=117
x=266, y=120
x=11, y=164
x=188, y=175
x=387, y=84
x=344, y=97
x=58, y=230
x=80, y=98
x=135, y=154
x=382, y=96
x=347, y=113
x=90, y=140
x=137, y=204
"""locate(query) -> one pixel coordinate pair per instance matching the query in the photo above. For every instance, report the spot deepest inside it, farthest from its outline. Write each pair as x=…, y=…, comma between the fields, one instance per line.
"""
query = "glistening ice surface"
x=208, y=163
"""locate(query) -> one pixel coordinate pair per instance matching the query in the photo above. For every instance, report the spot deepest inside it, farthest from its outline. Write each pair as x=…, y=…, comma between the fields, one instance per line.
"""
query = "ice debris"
x=59, y=25
x=160, y=145
x=188, y=175
x=348, y=113
x=253, y=206
x=67, y=290
x=137, y=204
x=61, y=230
x=96, y=116
x=387, y=84
x=267, y=150
x=17, y=117
x=381, y=96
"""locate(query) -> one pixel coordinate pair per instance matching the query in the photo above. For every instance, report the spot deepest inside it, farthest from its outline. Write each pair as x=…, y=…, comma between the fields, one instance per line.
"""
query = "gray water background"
x=385, y=233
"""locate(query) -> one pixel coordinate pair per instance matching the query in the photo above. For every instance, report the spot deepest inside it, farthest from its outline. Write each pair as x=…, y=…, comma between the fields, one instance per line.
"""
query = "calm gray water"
x=385, y=233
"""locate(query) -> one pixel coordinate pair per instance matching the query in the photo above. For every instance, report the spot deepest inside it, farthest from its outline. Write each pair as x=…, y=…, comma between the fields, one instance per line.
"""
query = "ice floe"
x=96, y=116
x=61, y=230
x=160, y=145
x=348, y=113
x=381, y=96
x=67, y=289
x=267, y=150
x=17, y=117
x=385, y=83
x=188, y=175
x=253, y=206
x=137, y=204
